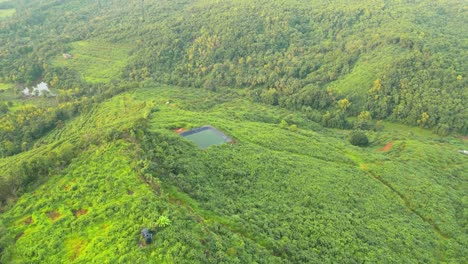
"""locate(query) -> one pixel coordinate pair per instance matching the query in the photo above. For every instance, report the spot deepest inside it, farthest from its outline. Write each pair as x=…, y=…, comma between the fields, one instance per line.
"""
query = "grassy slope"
x=273, y=192
x=5, y=86
x=102, y=183
x=95, y=60
x=5, y=13
x=358, y=82
x=300, y=162
x=114, y=204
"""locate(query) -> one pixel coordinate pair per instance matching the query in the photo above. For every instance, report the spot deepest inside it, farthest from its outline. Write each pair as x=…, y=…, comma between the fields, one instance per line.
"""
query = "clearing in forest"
x=80, y=212
x=53, y=215
x=96, y=61
x=4, y=86
x=5, y=13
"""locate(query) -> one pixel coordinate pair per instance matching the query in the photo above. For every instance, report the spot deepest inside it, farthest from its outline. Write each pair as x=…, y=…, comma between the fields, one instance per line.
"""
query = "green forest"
x=347, y=126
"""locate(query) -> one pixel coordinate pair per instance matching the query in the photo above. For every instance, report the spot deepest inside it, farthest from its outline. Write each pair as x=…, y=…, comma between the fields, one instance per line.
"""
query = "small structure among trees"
x=147, y=236
x=67, y=56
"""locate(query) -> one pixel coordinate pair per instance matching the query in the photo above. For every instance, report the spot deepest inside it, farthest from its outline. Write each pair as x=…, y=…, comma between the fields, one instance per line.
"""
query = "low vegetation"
x=389, y=59
x=94, y=60
x=239, y=202
x=6, y=13
x=346, y=122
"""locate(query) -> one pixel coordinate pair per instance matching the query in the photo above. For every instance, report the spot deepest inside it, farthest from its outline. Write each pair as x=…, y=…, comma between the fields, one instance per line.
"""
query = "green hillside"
x=347, y=122
x=286, y=53
x=272, y=196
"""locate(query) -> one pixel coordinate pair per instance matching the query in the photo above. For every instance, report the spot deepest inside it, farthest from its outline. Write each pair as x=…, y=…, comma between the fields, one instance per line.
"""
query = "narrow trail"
x=405, y=201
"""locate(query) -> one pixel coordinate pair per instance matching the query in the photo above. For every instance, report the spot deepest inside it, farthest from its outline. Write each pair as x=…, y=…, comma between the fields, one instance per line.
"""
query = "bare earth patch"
x=179, y=130
x=28, y=221
x=387, y=147
x=53, y=215
x=80, y=212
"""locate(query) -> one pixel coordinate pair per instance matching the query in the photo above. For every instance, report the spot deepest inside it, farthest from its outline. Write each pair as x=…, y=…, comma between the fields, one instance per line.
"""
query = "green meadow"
x=6, y=13
x=360, y=79
x=95, y=60
x=5, y=86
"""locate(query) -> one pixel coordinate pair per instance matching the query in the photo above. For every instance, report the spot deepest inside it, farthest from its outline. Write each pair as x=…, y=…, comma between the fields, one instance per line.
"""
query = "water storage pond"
x=206, y=136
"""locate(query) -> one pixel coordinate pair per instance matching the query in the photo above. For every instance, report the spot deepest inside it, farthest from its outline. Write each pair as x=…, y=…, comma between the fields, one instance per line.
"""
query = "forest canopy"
x=401, y=61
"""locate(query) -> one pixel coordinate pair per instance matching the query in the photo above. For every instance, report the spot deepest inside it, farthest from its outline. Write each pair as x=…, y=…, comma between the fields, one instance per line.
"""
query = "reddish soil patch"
x=53, y=215
x=28, y=221
x=80, y=212
x=387, y=147
x=179, y=130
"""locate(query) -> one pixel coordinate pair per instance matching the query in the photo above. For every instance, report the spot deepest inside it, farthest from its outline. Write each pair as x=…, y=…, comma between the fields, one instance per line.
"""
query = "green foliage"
x=4, y=86
x=289, y=55
x=293, y=128
x=20, y=129
x=95, y=60
x=83, y=172
x=5, y=13
x=243, y=202
x=3, y=109
x=358, y=138
x=335, y=119
x=363, y=121
x=163, y=221
x=283, y=124
x=343, y=104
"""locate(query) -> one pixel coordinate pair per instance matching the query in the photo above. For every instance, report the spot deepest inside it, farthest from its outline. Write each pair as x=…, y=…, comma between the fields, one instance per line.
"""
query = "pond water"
x=206, y=136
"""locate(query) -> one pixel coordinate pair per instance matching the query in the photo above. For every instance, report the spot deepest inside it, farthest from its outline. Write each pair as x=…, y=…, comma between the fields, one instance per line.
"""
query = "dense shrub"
x=358, y=138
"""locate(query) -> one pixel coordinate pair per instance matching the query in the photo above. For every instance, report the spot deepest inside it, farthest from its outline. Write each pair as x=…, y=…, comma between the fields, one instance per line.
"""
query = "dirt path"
x=405, y=201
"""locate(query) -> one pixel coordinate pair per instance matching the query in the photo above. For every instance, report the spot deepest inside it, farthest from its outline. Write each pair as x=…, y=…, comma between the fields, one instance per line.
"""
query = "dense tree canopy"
x=287, y=53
